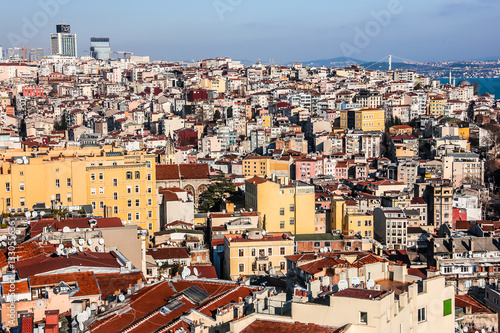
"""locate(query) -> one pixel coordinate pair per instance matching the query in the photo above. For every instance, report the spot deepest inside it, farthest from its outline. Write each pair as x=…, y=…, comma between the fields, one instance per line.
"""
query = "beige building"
x=254, y=253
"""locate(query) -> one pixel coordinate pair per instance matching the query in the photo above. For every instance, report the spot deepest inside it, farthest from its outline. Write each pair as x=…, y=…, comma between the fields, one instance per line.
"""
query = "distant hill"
x=333, y=62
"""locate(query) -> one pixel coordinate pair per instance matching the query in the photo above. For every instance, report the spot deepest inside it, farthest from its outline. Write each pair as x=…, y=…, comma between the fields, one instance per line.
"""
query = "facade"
x=100, y=48
x=440, y=202
x=391, y=226
x=365, y=119
x=254, y=253
x=283, y=208
x=64, y=42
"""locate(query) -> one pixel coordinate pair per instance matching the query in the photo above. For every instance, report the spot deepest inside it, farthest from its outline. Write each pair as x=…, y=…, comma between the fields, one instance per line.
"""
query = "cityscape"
x=141, y=194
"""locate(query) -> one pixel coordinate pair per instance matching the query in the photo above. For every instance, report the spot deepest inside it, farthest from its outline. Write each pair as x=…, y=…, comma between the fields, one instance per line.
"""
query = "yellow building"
x=283, y=208
x=115, y=183
x=214, y=84
x=363, y=119
x=265, y=166
x=266, y=121
x=358, y=223
x=435, y=104
x=464, y=133
x=252, y=253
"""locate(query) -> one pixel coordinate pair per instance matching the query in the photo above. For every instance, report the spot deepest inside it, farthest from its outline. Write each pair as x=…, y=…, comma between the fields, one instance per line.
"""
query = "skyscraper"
x=63, y=42
x=100, y=48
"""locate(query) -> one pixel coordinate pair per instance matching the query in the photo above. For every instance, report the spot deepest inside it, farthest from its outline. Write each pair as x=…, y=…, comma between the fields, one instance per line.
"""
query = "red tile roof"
x=115, y=283
x=317, y=266
x=182, y=171
x=463, y=301
x=359, y=293
x=168, y=253
x=86, y=282
x=207, y=272
x=81, y=223
x=287, y=327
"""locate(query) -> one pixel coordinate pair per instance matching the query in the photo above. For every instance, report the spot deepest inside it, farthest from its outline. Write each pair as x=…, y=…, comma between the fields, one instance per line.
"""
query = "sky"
x=281, y=31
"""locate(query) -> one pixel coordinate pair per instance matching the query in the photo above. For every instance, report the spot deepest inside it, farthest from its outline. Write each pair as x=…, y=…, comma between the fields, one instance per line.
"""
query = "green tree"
x=220, y=188
x=217, y=115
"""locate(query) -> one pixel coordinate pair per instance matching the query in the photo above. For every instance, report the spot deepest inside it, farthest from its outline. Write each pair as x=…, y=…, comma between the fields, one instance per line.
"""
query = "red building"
x=459, y=214
x=33, y=91
x=197, y=95
x=186, y=137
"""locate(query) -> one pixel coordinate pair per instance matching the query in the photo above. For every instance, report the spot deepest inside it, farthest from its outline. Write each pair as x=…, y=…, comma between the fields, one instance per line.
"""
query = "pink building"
x=307, y=168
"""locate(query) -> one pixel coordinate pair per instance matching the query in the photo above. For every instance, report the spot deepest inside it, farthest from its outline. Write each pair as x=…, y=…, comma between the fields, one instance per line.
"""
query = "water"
x=489, y=85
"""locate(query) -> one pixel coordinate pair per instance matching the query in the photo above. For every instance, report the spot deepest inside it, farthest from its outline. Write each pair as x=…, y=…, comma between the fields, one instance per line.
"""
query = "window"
x=282, y=224
x=447, y=269
x=150, y=214
x=93, y=205
x=282, y=265
x=150, y=189
x=269, y=251
x=129, y=216
x=241, y=268
x=447, y=307
x=68, y=197
x=7, y=202
x=92, y=190
x=292, y=220
x=21, y=200
x=327, y=244
x=282, y=251
x=282, y=211
x=21, y=187
x=150, y=226
x=252, y=251
x=115, y=181
x=137, y=216
x=363, y=318
x=7, y=187
x=129, y=203
x=101, y=176
x=422, y=315
x=101, y=204
x=150, y=177
x=150, y=202
x=129, y=175
x=68, y=182
x=136, y=188
x=241, y=253
x=101, y=190
x=57, y=169
x=292, y=207
x=317, y=244
x=137, y=202
x=92, y=176
x=115, y=209
x=21, y=173
x=115, y=196
x=137, y=175
x=129, y=189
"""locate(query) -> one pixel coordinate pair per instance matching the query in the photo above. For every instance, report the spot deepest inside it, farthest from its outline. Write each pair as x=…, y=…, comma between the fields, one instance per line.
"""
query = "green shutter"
x=447, y=307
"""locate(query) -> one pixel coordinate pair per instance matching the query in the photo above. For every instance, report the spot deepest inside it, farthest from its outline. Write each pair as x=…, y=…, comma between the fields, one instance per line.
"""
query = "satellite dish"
x=81, y=241
x=466, y=329
x=27, y=214
x=25, y=160
x=343, y=285
x=81, y=317
x=19, y=161
x=121, y=297
x=97, y=249
x=66, y=229
x=264, y=232
x=89, y=241
x=42, y=213
x=77, y=229
x=4, y=244
x=73, y=242
x=93, y=306
x=101, y=241
x=195, y=271
x=65, y=252
x=80, y=248
x=370, y=284
x=355, y=281
x=185, y=272
x=40, y=304
x=34, y=214
x=88, y=312
x=81, y=327
x=60, y=247
x=18, y=232
x=92, y=221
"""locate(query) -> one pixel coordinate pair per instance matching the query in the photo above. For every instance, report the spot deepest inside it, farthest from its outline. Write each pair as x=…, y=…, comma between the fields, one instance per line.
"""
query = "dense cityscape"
x=219, y=196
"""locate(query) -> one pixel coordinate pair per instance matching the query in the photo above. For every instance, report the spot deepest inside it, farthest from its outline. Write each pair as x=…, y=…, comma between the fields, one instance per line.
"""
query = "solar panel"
x=196, y=294
x=175, y=304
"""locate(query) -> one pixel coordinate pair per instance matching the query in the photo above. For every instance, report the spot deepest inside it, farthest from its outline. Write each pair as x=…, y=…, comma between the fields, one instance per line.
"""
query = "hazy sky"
x=285, y=30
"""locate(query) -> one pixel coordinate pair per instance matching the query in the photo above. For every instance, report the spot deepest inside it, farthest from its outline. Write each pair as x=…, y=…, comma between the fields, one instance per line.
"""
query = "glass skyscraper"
x=63, y=42
x=100, y=48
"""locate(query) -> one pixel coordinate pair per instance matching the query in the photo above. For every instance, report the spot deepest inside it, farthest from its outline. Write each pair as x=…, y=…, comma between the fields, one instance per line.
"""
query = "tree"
x=217, y=115
x=220, y=189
